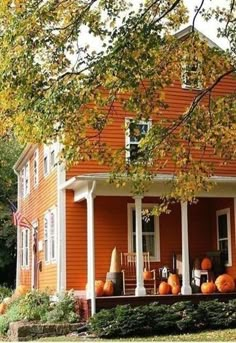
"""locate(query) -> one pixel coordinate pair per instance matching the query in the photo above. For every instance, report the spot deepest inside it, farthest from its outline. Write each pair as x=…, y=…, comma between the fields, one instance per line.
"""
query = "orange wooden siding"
x=41, y=198
x=178, y=100
x=111, y=229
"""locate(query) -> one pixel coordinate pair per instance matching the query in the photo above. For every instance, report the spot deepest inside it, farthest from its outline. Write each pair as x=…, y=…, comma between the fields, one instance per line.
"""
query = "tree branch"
x=196, y=14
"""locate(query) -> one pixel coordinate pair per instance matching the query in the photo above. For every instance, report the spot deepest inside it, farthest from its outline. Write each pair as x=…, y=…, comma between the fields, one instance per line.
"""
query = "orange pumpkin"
x=147, y=275
x=208, y=287
x=99, y=284
x=21, y=290
x=164, y=288
x=173, y=280
x=225, y=283
x=175, y=289
x=3, y=308
x=108, y=288
x=206, y=263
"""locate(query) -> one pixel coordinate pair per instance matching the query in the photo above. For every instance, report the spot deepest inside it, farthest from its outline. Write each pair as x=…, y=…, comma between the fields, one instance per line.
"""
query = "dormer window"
x=191, y=75
x=135, y=131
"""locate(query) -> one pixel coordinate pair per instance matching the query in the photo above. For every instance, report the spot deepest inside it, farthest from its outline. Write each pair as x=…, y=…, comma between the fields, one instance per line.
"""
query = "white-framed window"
x=224, y=235
x=150, y=232
x=49, y=159
x=25, y=180
x=25, y=243
x=36, y=167
x=50, y=236
x=135, y=131
x=191, y=75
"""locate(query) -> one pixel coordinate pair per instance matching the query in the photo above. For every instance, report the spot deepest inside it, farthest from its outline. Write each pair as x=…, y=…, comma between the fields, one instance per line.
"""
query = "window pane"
x=223, y=245
x=148, y=224
x=222, y=223
x=137, y=131
x=148, y=244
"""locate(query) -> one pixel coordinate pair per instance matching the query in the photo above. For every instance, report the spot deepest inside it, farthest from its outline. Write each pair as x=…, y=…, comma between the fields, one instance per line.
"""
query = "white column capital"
x=136, y=197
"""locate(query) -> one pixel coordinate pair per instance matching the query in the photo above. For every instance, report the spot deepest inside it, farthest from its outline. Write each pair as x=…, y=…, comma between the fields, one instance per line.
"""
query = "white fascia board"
x=24, y=156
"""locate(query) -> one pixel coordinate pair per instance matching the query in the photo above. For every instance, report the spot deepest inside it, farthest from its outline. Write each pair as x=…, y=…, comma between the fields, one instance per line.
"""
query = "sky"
x=207, y=28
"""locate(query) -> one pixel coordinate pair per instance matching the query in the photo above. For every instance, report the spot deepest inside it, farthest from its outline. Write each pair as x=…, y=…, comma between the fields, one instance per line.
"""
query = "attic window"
x=191, y=75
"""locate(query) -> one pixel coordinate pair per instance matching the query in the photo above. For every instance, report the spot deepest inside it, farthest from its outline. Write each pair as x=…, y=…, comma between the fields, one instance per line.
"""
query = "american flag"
x=18, y=218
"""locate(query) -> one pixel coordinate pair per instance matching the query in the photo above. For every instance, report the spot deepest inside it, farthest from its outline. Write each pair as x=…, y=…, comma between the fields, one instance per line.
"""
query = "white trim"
x=130, y=207
x=25, y=232
x=34, y=226
x=36, y=170
x=227, y=212
x=18, y=234
x=47, y=216
x=186, y=288
x=61, y=229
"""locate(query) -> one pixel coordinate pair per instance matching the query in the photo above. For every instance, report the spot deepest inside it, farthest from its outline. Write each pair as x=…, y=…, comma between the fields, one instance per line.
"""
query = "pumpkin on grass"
x=108, y=288
x=3, y=308
x=225, y=283
x=164, y=288
x=208, y=287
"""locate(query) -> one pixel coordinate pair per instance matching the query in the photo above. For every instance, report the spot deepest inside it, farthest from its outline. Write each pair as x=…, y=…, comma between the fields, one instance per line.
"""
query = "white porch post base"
x=186, y=288
x=140, y=289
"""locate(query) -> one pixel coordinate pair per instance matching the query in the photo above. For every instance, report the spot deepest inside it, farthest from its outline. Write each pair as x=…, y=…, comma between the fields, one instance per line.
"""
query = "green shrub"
x=4, y=292
x=12, y=314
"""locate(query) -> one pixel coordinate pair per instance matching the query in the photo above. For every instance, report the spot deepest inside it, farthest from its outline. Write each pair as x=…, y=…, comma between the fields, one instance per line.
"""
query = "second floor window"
x=49, y=159
x=135, y=131
x=36, y=167
x=191, y=75
x=25, y=180
x=50, y=236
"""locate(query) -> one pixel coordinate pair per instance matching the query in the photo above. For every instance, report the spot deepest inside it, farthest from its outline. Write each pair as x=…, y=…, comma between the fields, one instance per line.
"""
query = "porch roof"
x=224, y=186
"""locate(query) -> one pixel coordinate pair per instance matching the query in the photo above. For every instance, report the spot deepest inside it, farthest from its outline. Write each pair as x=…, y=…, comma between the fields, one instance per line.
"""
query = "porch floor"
x=110, y=302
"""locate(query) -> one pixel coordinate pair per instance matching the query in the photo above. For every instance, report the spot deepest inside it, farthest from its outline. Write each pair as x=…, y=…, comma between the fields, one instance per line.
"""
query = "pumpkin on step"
x=206, y=264
x=173, y=280
x=108, y=288
x=225, y=283
x=208, y=287
x=99, y=284
x=164, y=288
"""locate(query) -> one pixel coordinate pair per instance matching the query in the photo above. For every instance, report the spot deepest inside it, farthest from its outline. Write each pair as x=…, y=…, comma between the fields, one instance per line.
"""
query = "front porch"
x=113, y=301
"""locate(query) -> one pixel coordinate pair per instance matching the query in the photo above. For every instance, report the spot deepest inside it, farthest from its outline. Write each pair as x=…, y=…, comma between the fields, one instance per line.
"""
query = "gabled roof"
x=24, y=156
x=189, y=29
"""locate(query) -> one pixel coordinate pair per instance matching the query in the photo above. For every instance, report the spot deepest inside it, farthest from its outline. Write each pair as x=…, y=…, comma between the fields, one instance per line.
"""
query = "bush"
x=5, y=292
x=152, y=319
x=37, y=306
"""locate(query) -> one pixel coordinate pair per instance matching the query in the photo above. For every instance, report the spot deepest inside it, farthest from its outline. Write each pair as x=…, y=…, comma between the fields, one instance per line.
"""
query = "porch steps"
x=130, y=285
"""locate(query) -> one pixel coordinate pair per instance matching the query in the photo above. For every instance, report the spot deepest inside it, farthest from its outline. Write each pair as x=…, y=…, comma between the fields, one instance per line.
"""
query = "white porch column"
x=140, y=289
x=186, y=288
x=91, y=248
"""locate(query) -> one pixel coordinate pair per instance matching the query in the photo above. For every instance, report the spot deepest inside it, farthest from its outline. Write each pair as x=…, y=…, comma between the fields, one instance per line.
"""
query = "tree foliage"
x=9, y=150
x=54, y=84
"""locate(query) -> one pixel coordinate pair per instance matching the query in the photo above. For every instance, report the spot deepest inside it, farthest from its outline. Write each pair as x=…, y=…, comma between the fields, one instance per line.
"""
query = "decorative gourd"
x=173, y=280
x=99, y=284
x=175, y=289
x=108, y=288
x=3, y=308
x=115, y=266
x=21, y=290
x=225, y=283
x=206, y=263
x=164, y=288
x=147, y=275
x=208, y=287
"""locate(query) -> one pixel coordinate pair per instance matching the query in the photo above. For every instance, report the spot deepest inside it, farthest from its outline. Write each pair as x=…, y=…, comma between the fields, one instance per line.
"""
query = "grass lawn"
x=210, y=336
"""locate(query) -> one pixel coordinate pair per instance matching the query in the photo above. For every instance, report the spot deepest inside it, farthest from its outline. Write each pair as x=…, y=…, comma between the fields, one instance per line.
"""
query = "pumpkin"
x=175, y=289
x=3, y=308
x=164, y=288
x=225, y=283
x=173, y=280
x=21, y=290
x=99, y=284
x=206, y=263
x=147, y=275
x=108, y=288
x=208, y=287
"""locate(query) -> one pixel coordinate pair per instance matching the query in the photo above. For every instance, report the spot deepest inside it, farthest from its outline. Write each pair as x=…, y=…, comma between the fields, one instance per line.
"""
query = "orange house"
x=78, y=217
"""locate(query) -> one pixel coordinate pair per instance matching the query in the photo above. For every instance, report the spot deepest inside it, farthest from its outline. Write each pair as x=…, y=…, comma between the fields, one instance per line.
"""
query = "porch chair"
x=128, y=268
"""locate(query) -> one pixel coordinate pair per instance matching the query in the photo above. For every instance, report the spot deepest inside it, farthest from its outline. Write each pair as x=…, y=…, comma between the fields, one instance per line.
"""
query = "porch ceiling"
x=224, y=186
